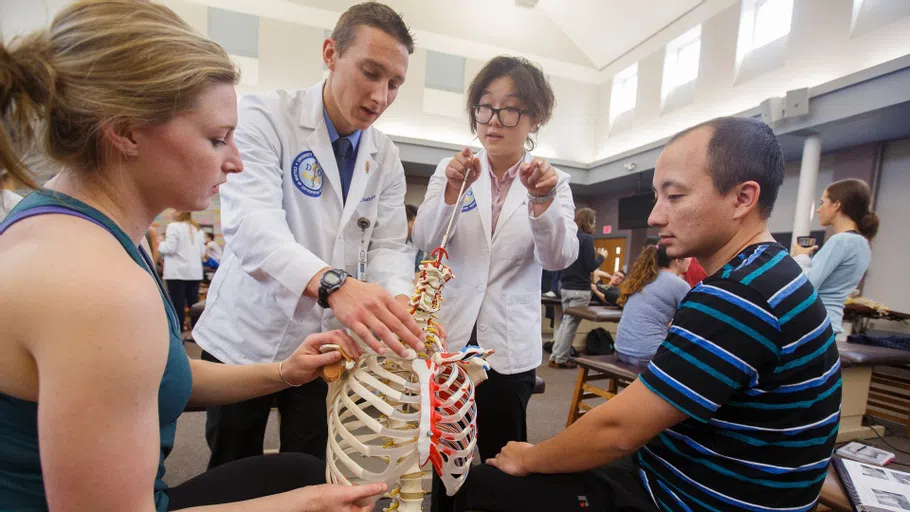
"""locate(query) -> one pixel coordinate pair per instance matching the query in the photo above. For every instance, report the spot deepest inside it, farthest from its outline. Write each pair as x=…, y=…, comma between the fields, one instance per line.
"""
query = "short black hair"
x=531, y=85
x=411, y=211
x=371, y=14
x=743, y=149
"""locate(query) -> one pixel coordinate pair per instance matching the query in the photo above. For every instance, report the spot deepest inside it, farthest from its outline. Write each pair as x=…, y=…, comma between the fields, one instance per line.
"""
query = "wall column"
x=805, y=196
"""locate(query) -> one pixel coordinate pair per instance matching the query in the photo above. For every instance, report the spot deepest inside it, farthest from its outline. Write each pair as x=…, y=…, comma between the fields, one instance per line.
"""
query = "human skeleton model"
x=388, y=415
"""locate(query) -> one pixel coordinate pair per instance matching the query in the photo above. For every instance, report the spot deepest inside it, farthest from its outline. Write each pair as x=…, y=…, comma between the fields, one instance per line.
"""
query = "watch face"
x=331, y=278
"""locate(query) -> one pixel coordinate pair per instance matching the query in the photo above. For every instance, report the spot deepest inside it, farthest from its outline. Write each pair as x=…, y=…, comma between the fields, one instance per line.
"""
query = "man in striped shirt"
x=739, y=408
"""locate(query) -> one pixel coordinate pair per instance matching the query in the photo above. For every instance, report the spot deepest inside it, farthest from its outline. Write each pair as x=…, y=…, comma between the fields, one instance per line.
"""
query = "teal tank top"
x=21, y=482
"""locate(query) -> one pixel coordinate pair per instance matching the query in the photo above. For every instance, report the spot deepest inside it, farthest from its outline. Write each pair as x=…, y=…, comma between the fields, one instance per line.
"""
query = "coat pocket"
x=523, y=316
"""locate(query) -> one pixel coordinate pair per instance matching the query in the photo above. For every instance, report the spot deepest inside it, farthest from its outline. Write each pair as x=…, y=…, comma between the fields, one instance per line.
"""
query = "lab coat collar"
x=311, y=113
x=333, y=133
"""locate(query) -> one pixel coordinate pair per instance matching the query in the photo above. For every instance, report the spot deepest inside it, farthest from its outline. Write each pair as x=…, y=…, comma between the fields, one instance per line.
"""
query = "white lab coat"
x=497, y=278
x=283, y=222
x=182, y=250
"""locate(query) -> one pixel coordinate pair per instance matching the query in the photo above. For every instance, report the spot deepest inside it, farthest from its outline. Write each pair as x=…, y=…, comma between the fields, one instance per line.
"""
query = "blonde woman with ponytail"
x=140, y=112
x=839, y=266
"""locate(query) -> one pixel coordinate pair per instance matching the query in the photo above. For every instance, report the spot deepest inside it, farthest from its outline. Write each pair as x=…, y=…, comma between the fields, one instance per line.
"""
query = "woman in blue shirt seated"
x=838, y=268
x=649, y=297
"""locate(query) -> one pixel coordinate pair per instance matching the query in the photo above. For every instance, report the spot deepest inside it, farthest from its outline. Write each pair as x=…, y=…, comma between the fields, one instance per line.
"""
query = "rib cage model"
x=388, y=416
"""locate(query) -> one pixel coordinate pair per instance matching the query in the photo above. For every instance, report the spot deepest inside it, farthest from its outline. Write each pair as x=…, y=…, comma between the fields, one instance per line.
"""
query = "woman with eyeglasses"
x=516, y=219
x=838, y=268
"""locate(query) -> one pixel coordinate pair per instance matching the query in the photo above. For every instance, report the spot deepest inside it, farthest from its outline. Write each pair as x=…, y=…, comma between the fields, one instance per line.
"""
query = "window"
x=869, y=15
x=625, y=89
x=764, y=24
x=681, y=61
x=772, y=21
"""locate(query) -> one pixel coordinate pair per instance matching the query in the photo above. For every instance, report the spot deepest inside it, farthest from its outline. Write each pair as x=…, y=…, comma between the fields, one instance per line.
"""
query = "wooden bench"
x=593, y=368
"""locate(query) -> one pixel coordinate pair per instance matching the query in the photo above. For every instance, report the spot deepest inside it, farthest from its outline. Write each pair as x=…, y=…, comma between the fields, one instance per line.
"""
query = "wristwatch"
x=329, y=283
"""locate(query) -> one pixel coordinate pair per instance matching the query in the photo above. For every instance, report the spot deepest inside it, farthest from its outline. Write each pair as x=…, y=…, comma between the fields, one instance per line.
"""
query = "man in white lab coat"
x=321, y=198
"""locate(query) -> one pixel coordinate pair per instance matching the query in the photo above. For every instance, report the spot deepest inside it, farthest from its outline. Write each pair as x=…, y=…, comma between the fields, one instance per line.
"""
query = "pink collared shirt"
x=500, y=189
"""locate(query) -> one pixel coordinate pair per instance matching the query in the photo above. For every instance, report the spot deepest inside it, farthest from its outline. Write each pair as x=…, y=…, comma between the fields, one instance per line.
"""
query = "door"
x=616, y=253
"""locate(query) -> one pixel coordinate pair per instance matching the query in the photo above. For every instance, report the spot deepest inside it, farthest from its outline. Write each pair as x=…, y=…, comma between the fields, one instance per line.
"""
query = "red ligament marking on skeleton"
x=439, y=252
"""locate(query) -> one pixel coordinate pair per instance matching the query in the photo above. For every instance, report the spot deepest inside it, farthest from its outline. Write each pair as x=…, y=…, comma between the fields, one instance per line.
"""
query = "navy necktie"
x=344, y=157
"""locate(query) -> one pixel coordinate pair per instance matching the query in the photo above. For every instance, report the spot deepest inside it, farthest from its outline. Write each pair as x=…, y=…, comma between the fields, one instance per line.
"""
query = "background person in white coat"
x=182, y=250
x=319, y=185
x=517, y=219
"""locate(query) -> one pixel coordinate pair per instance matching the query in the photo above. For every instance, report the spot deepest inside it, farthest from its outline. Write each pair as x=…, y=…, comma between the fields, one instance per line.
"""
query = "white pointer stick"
x=445, y=237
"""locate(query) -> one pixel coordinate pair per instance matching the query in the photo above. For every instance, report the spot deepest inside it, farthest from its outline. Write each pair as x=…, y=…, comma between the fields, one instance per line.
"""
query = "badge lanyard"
x=363, y=223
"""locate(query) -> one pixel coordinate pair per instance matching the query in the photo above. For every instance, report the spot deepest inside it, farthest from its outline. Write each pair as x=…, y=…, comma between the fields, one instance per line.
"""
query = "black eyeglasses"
x=508, y=117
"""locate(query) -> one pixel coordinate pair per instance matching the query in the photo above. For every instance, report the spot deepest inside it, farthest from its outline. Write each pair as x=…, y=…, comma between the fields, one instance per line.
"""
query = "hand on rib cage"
x=390, y=415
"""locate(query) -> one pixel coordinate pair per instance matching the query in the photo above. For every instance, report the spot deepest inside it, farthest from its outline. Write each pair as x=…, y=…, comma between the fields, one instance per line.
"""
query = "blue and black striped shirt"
x=751, y=359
